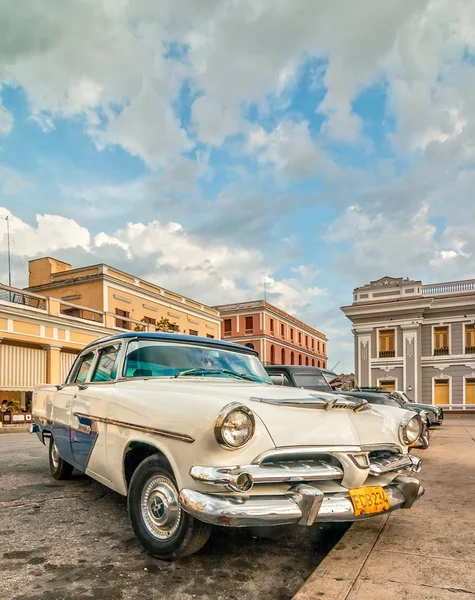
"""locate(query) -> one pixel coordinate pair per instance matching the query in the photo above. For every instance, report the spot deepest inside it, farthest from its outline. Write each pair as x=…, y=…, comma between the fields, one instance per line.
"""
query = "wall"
x=456, y=372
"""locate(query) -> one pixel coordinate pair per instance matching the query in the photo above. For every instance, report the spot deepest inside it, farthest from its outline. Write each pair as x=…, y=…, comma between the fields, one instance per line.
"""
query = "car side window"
x=106, y=367
x=84, y=367
x=281, y=379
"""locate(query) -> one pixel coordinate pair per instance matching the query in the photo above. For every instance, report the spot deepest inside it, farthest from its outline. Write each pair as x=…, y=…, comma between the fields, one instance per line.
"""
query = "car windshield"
x=332, y=380
x=154, y=358
x=312, y=381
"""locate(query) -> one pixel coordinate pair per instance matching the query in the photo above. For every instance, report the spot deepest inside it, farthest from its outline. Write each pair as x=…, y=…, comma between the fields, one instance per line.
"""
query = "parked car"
x=435, y=413
x=193, y=432
x=323, y=380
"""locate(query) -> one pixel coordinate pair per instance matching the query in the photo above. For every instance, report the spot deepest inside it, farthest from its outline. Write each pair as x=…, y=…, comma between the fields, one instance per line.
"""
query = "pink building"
x=279, y=338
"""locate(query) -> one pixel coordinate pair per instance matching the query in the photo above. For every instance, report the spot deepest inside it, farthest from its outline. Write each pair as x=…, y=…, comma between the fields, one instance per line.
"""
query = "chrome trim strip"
x=170, y=434
x=227, y=476
x=354, y=404
x=246, y=511
x=395, y=462
x=289, y=451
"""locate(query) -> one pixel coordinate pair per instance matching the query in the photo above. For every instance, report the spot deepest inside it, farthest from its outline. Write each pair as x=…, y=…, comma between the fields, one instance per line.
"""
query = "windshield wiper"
x=202, y=371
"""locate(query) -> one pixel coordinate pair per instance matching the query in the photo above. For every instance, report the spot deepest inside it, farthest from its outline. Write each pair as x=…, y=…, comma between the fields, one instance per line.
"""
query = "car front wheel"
x=58, y=467
x=161, y=526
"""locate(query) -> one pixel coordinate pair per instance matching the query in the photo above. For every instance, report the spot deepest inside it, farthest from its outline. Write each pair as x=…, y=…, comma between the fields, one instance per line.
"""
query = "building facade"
x=416, y=338
x=279, y=338
x=43, y=328
x=130, y=299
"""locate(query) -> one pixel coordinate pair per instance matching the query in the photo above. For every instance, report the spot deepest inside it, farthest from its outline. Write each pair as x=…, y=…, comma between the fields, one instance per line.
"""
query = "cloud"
x=6, y=120
x=289, y=147
x=164, y=253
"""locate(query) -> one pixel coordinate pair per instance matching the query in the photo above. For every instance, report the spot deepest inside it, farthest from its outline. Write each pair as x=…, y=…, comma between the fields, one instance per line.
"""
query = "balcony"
x=469, y=349
x=387, y=353
x=451, y=287
x=441, y=351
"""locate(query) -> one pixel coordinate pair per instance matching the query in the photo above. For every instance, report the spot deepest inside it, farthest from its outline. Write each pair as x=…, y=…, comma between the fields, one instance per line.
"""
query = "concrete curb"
x=14, y=429
x=335, y=576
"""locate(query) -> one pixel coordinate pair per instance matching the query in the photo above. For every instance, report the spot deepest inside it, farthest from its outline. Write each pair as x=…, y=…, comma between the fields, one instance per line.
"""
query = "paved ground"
x=425, y=553
x=72, y=540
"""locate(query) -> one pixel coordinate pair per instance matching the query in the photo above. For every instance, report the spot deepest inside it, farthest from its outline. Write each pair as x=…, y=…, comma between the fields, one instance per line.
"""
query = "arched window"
x=272, y=355
x=292, y=361
x=313, y=362
x=318, y=363
x=306, y=360
x=250, y=346
x=282, y=356
x=300, y=359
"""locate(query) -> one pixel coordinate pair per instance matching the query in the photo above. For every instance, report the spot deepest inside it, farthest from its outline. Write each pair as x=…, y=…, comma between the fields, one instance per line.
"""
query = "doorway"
x=470, y=391
x=441, y=391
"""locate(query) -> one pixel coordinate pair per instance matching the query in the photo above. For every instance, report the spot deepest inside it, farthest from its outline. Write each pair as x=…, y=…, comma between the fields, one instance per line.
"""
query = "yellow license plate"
x=369, y=500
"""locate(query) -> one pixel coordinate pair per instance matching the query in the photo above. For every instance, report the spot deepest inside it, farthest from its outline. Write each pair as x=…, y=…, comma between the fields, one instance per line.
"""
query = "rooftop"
x=264, y=305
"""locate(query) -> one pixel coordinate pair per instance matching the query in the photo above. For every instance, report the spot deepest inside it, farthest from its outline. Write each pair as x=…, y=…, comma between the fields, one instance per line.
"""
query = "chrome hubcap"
x=160, y=507
x=55, y=456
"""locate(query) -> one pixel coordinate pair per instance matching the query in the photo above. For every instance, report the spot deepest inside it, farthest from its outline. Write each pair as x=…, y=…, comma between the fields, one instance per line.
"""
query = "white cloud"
x=6, y=120
x=289, y=147
x=165, y=253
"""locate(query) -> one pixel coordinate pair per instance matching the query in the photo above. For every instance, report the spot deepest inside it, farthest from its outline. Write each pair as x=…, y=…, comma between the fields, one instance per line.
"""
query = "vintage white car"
x=195, y=434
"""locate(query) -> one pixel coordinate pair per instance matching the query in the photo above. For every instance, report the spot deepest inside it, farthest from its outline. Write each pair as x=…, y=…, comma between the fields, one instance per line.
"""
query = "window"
x=318, y=363
x=282, y=356
x=300, y=338
x=300, y=359
x=250, y=346
x=388, y=385
x=249, y=324
x=121, y=322
x=292, y=359
x=306, y=360
x=323, y=349
x=150, y=320
x=291, y=334
x=84, y=367
x=193, y=332
x=106, y=367
x=280, y=379
x=282, y=330
x=272, y=326
x=306, y=340
x=387, y=348
x=272, y=355
x=313, y=344
x=208, y=335
x=441, y=340
x=469, y=339
x=312, y=381
x=227, y=327
x=313, y=362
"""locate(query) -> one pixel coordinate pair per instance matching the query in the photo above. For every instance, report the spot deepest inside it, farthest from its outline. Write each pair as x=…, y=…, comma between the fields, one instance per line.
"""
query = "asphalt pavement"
x=72, y=540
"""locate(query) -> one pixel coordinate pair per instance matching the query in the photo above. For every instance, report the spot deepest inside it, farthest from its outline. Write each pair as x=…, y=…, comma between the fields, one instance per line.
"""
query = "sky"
x=213, y=146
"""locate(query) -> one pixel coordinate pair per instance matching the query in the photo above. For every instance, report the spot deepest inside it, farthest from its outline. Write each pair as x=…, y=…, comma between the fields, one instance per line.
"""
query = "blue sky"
x=212, y=146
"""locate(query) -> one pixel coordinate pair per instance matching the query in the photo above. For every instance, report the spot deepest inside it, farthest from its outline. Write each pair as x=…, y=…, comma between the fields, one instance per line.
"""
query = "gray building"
x=416, y=338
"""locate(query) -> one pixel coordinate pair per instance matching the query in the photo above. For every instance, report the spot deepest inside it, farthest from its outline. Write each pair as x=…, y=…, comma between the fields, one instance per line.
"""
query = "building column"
x=411, y=352
x=53, y=364
x=363, y=357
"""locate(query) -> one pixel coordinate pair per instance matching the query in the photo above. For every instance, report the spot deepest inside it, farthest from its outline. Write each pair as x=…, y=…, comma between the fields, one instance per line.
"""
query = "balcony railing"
x=441, y=351
x=81, y=312
x=9, y=294
x=469, y=349
x=387, y=353
x=451, y=287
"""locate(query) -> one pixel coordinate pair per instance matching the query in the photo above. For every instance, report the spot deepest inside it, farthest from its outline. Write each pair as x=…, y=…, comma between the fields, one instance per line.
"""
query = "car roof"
x=172, y=337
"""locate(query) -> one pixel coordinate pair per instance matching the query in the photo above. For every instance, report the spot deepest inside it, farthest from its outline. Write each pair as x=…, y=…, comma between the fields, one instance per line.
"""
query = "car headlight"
x=234, y=426
x=410, y=428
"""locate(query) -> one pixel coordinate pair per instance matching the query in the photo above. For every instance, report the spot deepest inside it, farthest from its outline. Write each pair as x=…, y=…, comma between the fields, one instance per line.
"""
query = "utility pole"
x=9, y=252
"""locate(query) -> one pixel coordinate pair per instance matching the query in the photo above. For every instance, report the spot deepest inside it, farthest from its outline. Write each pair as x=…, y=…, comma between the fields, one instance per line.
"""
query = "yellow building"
x=43, y=327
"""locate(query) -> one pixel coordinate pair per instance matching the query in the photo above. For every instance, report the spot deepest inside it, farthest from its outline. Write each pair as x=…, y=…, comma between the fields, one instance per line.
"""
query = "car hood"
x=308, y=422
x=427, y=407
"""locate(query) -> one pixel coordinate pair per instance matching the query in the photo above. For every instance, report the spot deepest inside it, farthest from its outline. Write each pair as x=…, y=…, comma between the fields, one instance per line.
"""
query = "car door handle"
x=82, y=387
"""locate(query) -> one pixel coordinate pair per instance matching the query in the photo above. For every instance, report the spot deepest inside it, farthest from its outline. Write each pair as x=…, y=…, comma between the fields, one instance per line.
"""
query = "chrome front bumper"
x=303, y=504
